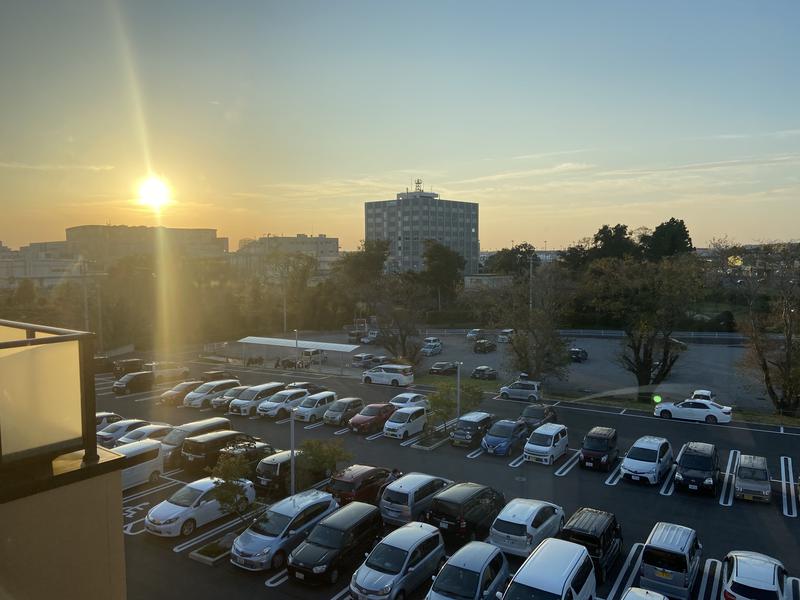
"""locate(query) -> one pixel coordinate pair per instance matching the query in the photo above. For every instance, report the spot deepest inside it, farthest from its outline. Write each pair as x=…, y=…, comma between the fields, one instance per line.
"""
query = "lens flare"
x=155, y=193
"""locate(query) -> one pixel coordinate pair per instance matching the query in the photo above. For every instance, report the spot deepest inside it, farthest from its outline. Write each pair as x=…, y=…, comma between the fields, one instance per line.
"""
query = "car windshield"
x=370, y=411
x=267, y=469
x=467, y=425
x=440, y=365
x=540, y=439
x=696, y=462
x=520, y=591
x=340, y=485
x=661, y=559
x=175, y=437
x=184, y=386
x=386, y=559
x=643, y=454
x=395, y=497
x=399, y=417
x=126, y=378
x=112, y=428
x=186, y=496
x=136, y=434
x=509, y=528
x=338, y=406
x=309, y=402
x=456, y=582
x=501, y=429
x=322, y=535
x=271, y=524
x=533, y=412
x=753, y=593
x=753, y=474
x=595, y=443
x=249, y=394
x=206, y=387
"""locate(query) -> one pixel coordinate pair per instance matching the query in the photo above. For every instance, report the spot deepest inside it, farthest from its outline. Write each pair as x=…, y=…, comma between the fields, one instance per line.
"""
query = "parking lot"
x=160, y=568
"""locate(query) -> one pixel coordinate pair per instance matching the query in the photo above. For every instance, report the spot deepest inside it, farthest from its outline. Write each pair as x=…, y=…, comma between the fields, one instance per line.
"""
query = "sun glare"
x=154, y=192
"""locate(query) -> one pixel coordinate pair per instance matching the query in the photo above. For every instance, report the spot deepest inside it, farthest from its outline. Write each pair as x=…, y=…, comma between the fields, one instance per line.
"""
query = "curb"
x=418, y=445
x=207, y=560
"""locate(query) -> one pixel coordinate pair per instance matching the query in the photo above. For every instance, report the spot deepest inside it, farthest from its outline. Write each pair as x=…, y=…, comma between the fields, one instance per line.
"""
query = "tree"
x=401, y=301
x=444, y=401
x=648, y=300
x=232, y=470
x=319, y=459
x=444, y=270
x=514, y=261
x=613, y=242
x=668, y=239
x=356, y=274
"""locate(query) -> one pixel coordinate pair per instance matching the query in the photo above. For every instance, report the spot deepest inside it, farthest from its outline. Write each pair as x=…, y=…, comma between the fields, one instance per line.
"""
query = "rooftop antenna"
x=418, y=185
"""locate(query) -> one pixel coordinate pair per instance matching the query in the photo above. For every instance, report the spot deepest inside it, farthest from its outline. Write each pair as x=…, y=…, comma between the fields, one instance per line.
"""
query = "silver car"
x=477, y=571
x=522, y=390
x=752, y=479
x=400, y=563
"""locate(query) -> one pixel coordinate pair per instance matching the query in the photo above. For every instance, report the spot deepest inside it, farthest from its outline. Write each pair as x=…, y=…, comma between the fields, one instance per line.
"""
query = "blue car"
x=503, y=436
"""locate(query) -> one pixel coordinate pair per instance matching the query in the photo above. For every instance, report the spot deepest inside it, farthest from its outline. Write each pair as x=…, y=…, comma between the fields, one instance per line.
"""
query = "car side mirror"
x=291, y=532
x=366, y=554
x=433, y=577
x=410, y=569
x=498, y=595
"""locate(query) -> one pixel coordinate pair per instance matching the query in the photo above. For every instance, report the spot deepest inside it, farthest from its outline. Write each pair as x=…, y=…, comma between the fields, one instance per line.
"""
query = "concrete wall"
x=64, y=543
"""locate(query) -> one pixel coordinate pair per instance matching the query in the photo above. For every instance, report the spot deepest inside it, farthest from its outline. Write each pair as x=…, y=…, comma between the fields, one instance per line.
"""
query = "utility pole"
x=458, y=389
x=85, y=296
x=530, y=284
x=291, y=445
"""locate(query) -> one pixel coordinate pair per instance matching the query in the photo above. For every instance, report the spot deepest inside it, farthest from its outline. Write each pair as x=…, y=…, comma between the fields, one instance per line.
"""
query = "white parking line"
x=622, y=412
x=277, y=579
x=787, y=488
x=517, y=461
x=556, y=403
x=569, y=465
x=282, y=421
x=411, y=441
x=173, y=472
x=476, y=453
x=615, y=476
x=710, y=565
x=346, y=591
x=374, y=436
x=669, y=483
x=342, y=431
x=726, y=497
x=219, y=529
x=314, y=425
x=151, y=490
x=619, y=585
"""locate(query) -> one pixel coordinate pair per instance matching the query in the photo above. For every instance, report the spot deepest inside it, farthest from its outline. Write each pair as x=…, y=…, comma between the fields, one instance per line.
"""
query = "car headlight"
x=385, y=590
x=169, y=521
x=678, y=477
x=653, y=469
x=319, y=569
x=581, y=456
x=708, y=481
x=765, y=492
x=452, y=434
x=604, y=458
x=263, y=552
x=738, y=488
x=469, y=436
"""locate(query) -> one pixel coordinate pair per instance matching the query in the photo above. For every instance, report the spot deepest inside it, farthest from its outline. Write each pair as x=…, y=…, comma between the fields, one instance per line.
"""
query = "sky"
x=284, y=117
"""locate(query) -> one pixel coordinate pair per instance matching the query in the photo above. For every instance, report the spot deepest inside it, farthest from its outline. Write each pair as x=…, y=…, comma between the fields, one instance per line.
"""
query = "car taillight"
x=463, y=524
x=728, y=596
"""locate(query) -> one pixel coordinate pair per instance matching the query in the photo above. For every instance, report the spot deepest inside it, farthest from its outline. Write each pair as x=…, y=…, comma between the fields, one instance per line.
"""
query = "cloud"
x=549, y=154
x=53, y=167
x=554, y=170
x=713, y=165
x=780, y=134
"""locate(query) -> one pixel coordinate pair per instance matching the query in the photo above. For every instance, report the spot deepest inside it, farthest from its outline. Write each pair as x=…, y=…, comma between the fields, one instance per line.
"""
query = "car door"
x=497, y=573
x=207, y=508
x=664, y=458
x=520, y=431
x=563, y=441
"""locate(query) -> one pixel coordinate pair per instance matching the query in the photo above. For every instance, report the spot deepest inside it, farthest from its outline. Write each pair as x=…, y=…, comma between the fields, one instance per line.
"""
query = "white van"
x=389, y=375
x=146, y=460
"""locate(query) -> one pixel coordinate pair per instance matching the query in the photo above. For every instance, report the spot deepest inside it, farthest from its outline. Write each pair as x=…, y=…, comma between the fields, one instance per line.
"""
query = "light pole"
x=458, y=389
x=530, y=283
x=291, y=455
x=296, y=349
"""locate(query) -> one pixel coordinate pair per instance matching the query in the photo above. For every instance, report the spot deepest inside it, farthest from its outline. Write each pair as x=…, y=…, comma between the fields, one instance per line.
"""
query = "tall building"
x=252, y=253
x=414, y=217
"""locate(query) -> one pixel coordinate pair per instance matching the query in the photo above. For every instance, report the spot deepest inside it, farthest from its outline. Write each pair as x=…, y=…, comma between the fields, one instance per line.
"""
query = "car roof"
x=280, y=457
x=294, y=504
x=699, y=448
x=705, y=392
x=204, y=484
x=154, y=427
x=670, y=536
x=216, y=381
x=521, y=510
x=590, y=521
x=755, y=569
x=263, y=386
x=406, y=395
x=649, y=441
x=349, y=399
x=473, y=556
x=507, y=422
x=136, y=447
x=604, y=432
x=549, y=566
x=474, y=416
x=124, y=422
x=636, y=593
x=550, y=428
x=353, y=472
x=343, y=517
x=408, y=409
x=410, y=481
x=105, y=414
x=379, y=404
x=213, y=435
x=407, y=536
x=484, y=368
x=322, y=394
x=460, y=492
x=752, y=462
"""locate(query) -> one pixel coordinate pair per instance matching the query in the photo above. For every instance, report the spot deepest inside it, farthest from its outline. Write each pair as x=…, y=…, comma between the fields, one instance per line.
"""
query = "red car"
x=358, y=482
x=371, y=418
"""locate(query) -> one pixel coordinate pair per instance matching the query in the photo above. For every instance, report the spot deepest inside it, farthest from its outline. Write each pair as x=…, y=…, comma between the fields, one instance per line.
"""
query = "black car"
x=337, y=544
x=207, y=376
x=127, y=365
x=578, y=355
x=465, y=511
x=698, y=468
x=252, y=451
x=202, y=451
x=311, y=388
x=273, y=474
x=103, y=364
x=484, y=372
x=131, y=383
x=484, y=347
x=443, y=368
x=599, y=449
x=470, y=429
x=537, y=414
x=600, y=533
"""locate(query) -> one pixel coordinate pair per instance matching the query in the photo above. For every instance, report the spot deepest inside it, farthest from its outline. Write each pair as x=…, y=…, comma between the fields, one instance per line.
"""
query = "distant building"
x=487, y=281
x=46, y=263
x=414, y=217
x=253, y=253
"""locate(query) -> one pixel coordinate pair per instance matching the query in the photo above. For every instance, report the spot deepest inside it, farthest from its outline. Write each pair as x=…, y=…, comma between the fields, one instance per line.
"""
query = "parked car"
x=203, y=395
x=380, y=360
x=272, y=536
x=556, y=570
x=406, y=422
x=752, y=480
x=474, y=335
x=314, y=356
x=372, y=418
x=484, y=347
x=253, y=453
x=219, y=375
x=104, y=419
x=600, y=533
x=547, y=444
x=410, y=399
x=465, y=511
x=273, y=474
x=649, y=459
x=637, y=593
x=706, y=395
x=175, y=396
x=536, y=415
x=314, y=407
x=521, y=390
x=505, y=335
x=280, y=404
x=476, y=571
x=671, y=560
x=373, y=337
x=221, y=403
x=443, y=368
x=173, y=441
x=470, y=429
x=164, y=371
x=311, y=388
x=362, y=360
x=578, y=355
x=247, y=403
x=192, y=506
x=201, y=452
x=599, y=449
x=341, y=411
x=431, y=348
x=126, y=365
x=146, y=460
x=406, y=499
x=132, y=383
x=395, y=375
x=108, y=436
x=523, y=524
x=751, y=575
x=698, y=468
x=694, y=410
x=484, y=372
x=504, y=436
x=154, y=431
x=402, y=562
x=358, y=482
x=336, y=544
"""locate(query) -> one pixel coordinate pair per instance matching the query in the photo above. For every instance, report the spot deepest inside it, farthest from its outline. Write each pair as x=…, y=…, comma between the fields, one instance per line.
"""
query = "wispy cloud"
x=562, y=168
x=738, y=163
x=550, y=154
x=780, y=134
x=18, y=166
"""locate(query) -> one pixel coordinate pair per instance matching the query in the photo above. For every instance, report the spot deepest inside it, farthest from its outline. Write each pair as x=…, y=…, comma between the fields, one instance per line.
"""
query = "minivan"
x=131, y=383
x=395, y=375
x=341, y=411
x=145, y=460
x=465, y=511
x=314, y=407
x=336, y=544
x=752, y=479
x=547, y=444
x=358, y=482
x=671, y=560
x=600, y=532
x=273, y=474
x=203, y=395
x=406, y=422
x=698, y=468
x=406, y=499
x=599, y=449
x=202, y=451
x=247, y=402
x=557, y=569
x=173, y=441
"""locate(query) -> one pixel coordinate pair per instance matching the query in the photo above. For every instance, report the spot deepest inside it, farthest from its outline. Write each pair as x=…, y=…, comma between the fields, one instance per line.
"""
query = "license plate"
x=692, y=486
x=589, y=464
x=263, y=480
x=635, y=477
x=299, y=575
x=354, y=430
x=190, y=457
x=663, y=574
x=442, y=525
x=748, y=497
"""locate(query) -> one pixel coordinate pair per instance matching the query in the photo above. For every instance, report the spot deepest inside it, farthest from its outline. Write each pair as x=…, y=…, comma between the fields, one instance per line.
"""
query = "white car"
x=547, y=444
x=406, y=422
x=407, y=399
x=706, y=411
x=637, y=593
x=474, y=334
x=156, y=431
x=523, y=524
x=202, y=396
x=313, y=407
x=108, y=437
x=247, y=402
x=747, y=575
x=505, y=335
x=280, y=405
x=649, y=459
x=389, y=375
x=704, y=395
x=431, y=349
x=192, y=506
x=104, y=419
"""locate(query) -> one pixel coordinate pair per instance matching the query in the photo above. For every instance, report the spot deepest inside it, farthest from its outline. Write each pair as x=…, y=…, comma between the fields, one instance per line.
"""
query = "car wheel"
x=188, y=528
x=282, y=414
x=241, y=505
x=155, y=476
x=367, y=380
x=333, y=576
x=711, y=419
x=665, y=414
x=531, y=398
x=504, y=396
x=400, y=596
x=395, y=383
x=405, y=435
x=278, y=561
x=312, y=419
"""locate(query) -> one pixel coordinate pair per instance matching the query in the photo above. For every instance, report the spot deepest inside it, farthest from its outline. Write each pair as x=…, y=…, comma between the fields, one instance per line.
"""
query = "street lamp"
x=291, y=422
x=458, y=389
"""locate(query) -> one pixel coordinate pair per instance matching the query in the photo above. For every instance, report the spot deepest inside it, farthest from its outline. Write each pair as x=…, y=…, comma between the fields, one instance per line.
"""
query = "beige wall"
x=64, y=543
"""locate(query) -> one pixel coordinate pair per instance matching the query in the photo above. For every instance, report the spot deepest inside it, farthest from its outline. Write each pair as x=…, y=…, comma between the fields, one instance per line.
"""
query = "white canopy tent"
x=300, y=344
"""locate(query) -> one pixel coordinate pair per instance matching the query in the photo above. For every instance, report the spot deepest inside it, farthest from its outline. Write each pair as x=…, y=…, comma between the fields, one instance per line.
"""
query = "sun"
x=155, y=193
